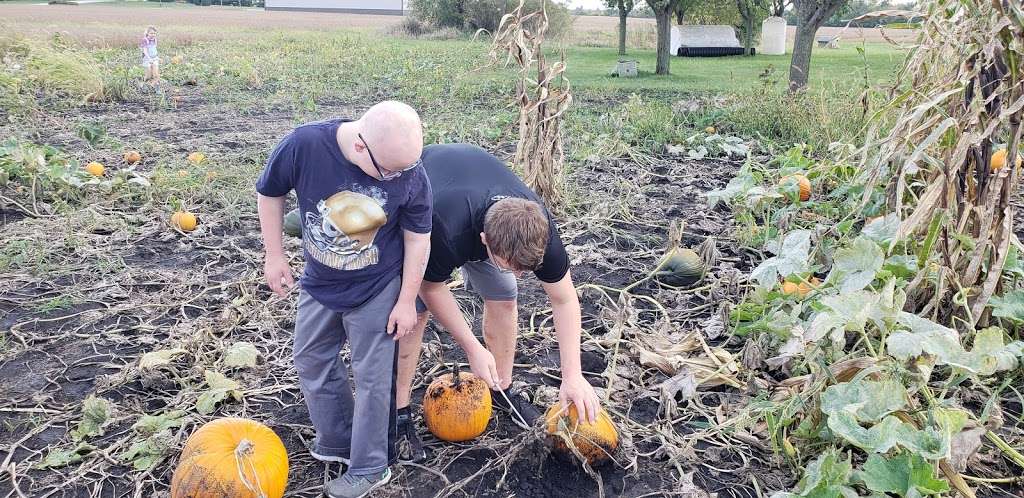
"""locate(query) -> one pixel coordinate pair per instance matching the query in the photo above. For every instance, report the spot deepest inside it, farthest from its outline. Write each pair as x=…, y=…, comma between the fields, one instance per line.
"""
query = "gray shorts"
x=489, y=282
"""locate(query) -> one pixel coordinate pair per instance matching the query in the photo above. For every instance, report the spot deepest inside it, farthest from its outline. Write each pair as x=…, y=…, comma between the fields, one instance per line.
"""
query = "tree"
x=810, y=14
x=752, y=12
x=779, y=7
x=624, y=7
x=663, y=10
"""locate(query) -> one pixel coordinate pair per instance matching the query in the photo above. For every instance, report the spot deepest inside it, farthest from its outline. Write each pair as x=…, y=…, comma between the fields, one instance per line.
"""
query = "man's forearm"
x=271, y=213
x=442, y=304
x=417, y=251
x=565, y=307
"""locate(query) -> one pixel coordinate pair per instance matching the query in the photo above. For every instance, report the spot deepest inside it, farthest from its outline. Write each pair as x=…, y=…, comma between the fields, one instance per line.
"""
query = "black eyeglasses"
x=391, y=175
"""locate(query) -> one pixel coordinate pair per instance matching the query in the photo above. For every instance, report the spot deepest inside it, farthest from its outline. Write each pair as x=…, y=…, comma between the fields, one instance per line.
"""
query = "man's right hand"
x=481, y=363
x=279, y=275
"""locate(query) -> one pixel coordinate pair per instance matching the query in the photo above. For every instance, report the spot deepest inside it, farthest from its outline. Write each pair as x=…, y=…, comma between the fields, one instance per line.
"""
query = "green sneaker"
x=351, y=486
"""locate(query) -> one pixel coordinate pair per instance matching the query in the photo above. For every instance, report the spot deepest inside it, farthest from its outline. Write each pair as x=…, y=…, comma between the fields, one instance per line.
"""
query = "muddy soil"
x=204, y=290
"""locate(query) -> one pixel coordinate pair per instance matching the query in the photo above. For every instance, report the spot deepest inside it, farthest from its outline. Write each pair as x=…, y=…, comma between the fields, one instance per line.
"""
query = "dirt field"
x=149, y=303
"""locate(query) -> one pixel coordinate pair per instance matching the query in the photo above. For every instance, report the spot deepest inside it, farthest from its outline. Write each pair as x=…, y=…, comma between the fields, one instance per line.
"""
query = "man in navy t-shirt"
x=494, y=228
x=365, y=209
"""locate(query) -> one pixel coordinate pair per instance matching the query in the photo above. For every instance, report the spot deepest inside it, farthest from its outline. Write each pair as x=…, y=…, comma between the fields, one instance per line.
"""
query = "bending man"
x=493, y=227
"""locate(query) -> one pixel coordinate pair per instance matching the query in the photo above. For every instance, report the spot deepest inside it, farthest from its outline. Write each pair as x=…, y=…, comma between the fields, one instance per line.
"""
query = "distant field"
x=104, y=24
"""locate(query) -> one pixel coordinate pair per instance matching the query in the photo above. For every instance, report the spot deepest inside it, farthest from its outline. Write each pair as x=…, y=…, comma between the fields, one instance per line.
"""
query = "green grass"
x=842, y=68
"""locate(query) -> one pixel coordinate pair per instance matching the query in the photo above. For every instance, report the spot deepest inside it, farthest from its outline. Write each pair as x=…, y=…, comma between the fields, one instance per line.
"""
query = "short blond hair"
x=517, y=230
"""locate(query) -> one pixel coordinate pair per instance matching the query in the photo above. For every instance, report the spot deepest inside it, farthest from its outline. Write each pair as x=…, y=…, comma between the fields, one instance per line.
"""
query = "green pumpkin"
x=293, y=223
x=682, y=267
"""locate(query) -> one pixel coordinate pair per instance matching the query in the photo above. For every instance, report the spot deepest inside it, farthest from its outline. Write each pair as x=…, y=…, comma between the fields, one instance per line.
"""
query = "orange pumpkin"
x=457, y=406
x=596, y=442
x=132, y=157
x=196, y=158
x=999, y=160
x=231, y=458
x=802, y=289
x=803, y=183
x=184, y=221
x=95, y=169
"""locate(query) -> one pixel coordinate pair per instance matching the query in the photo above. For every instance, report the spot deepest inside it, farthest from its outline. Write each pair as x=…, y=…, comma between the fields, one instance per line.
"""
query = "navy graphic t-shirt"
x=351, y=223
x=466, y=181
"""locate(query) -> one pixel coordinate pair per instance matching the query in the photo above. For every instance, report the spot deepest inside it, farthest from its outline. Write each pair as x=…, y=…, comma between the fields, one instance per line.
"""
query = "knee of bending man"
x=509, y=306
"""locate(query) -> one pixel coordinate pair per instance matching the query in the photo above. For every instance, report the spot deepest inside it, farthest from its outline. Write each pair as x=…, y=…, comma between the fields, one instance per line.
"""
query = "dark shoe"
x=325, y=455
x=350, y=486
x=408, y=446
x=520, y=405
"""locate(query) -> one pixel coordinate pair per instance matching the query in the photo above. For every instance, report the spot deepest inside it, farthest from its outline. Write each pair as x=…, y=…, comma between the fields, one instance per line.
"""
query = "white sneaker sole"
x=330, y=459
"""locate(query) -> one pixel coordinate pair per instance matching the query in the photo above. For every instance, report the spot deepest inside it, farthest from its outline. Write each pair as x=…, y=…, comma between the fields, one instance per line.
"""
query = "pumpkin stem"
x=456, y=378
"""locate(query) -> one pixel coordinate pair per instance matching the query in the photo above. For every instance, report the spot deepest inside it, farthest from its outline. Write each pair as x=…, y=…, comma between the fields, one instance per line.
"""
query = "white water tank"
x=773, y=36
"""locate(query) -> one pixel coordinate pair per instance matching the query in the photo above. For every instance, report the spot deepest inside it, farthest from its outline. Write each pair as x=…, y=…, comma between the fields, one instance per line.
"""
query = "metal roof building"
x=394, y=7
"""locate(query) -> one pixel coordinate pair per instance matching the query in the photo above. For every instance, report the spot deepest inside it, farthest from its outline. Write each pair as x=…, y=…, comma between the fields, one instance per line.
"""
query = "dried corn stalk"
x=542, y=100
x=963, y=94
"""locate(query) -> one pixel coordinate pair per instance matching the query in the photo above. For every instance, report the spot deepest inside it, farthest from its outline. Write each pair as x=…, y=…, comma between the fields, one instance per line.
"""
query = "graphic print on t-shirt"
x=340, y=233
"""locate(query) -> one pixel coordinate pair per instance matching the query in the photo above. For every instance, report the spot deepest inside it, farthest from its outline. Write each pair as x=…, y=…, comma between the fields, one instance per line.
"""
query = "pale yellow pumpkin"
x=231, y=458
x=95, y=169
x=597, y=442
x=184, y=221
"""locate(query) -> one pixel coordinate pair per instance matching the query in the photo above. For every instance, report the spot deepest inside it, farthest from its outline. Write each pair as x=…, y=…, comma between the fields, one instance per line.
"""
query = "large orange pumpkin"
x=231, y=458
x=596, y=442
x=457, y=406
x=802, y=182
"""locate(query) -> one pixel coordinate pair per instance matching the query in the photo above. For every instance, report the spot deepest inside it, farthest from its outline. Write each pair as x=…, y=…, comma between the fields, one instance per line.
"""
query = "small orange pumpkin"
x=132, y=157
x=802, y=289
x=95, y=169
x=196, y=157
x=803, y=183
x=596, y=442
x=999, y=160
x=184, y=221
x=231, y=458
x=457, y=406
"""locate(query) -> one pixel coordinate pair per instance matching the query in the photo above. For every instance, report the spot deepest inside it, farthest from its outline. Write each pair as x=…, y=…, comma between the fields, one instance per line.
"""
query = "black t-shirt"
x=466, y=180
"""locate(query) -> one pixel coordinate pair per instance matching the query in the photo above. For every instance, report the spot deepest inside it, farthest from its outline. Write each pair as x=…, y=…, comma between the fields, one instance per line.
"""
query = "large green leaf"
x=866, y=400
x=907, y=475
x=826, y=477
x=147, y=453
x=65, y=457
x=883, y=230
x=96, y=414
x=989, y=355
x=152, y=424
x=854, y=267
x=1009, y=306
x=791, y=258
x=241, y=355
x=220, y=388
x=739, y=184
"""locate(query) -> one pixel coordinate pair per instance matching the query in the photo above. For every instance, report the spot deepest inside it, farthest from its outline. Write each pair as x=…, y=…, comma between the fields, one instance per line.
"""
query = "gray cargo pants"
x=361, y=426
